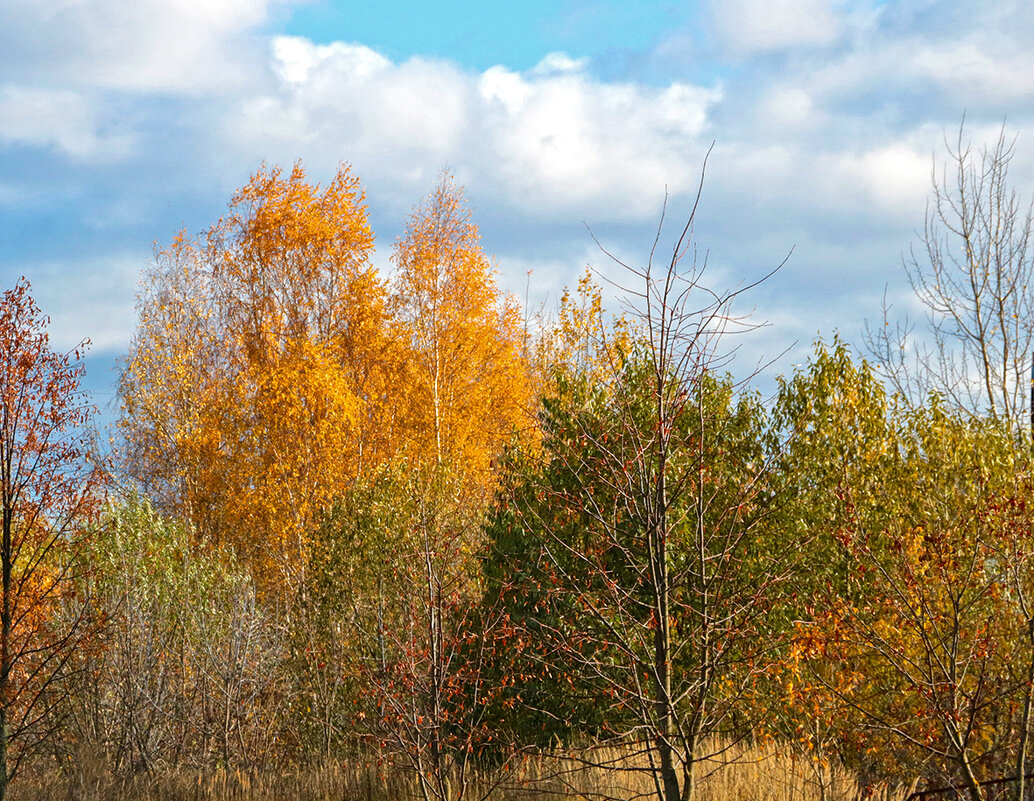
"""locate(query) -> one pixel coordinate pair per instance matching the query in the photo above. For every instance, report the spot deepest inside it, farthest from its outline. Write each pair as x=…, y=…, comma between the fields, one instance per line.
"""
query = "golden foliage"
x=257, y=353
x=467, y=384
x=271, y=367
x=583, y=339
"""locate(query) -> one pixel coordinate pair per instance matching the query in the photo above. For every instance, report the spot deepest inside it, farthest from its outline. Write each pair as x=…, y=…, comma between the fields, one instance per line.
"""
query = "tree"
x=354, y=594
x=933, y=626
x=171, y=386
x=913, y=607
x=974, y=274
x=467, y=389
x=834, y=422
x=429, y=670
x=49, y=489
x=258, y=379
x=1014, y=551
x=537, y=705
x=647, y=509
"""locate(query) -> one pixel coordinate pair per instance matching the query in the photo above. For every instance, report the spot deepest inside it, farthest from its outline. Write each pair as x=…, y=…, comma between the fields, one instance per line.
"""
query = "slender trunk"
x=6, y=559
x=689, y=772
x=662, y=633
x=436, y=389
x=662, y=668
x=971, y=780
x=702, y=590
x=958, y=737
x=434, y=632
x=662, y=697
x=1028, y=690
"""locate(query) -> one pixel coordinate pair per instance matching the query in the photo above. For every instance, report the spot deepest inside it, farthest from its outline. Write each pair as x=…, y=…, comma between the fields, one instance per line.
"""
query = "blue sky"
x=480, y=35
x=122, y=121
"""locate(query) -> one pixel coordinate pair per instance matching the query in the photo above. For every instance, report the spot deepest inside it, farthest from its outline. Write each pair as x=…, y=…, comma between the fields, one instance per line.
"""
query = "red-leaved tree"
x=49, y=488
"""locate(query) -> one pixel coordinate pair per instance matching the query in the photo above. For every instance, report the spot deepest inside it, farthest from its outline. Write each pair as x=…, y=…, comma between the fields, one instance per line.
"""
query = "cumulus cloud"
x=936, y=59
x=577, y=143
x=840, y=139
x=146, y=113
x=547, y=139
x=397, y=123
x=893, y=178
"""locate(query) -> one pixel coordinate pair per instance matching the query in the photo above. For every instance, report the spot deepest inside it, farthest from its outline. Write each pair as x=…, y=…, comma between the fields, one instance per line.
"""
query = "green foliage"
x=186, y=658
x=906, y=627
x=569, y=539
x=350, y=594
x=832, y=536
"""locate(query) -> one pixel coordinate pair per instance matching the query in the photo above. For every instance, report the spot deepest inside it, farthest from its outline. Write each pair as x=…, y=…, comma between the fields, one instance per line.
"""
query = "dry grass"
x=743, y=774
x=746, y=774
x=337, y=782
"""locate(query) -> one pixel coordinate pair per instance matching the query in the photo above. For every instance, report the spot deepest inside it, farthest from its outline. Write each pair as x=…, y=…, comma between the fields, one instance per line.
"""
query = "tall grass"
x=745, y=774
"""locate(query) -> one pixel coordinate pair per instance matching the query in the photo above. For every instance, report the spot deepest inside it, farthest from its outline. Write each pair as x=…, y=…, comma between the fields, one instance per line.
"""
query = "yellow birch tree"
x=258, y=373
x=468, y=387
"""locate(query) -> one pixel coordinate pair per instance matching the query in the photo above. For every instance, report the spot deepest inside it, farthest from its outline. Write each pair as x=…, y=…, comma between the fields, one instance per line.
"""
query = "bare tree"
x=973, y=272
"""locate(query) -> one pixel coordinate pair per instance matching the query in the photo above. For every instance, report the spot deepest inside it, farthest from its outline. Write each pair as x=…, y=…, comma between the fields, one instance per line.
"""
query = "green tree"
x=909, y=630
x=643, y=518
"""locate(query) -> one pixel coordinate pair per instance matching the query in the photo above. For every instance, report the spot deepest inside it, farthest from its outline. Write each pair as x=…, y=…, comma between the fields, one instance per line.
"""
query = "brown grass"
x=746, y=774
x=743, y=774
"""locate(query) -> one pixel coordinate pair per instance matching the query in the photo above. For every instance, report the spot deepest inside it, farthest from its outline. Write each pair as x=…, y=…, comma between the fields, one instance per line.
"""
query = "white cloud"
x=61, y=119
x=747, y=27
x=975, y=69
x=508, y=88
x=602, y=148
x=894, y=177
x=558, y=64
x=548, y=139
x=400, y=122
x=949, y=73
x=826, y=143
x=163, y=45
x=789, y=108
x=907, y=53
x=296, y=60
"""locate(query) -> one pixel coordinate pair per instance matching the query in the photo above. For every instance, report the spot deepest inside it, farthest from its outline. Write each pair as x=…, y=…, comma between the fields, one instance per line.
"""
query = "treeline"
x=355, y=518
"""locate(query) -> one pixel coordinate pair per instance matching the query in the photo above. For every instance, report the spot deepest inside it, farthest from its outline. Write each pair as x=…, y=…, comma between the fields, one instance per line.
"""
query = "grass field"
x=747, y=774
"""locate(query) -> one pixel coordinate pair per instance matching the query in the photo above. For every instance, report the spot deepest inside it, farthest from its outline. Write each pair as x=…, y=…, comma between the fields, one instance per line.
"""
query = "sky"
x=123, y=122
